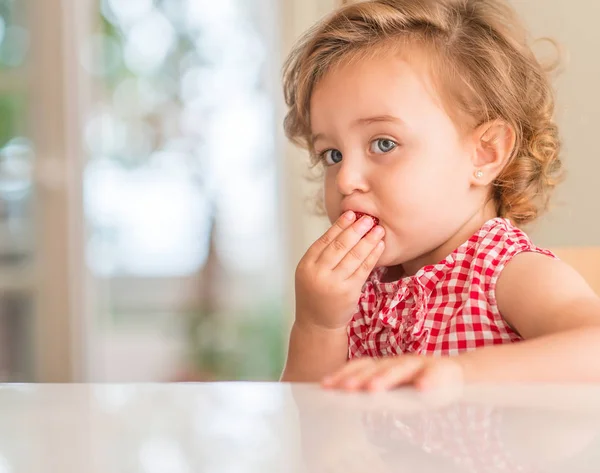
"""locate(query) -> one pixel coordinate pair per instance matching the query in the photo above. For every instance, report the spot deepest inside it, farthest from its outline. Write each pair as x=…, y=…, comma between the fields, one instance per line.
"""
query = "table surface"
x=272, y=427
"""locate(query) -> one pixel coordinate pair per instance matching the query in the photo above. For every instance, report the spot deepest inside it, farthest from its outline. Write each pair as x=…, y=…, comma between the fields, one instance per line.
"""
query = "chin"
x=391, y=257
x=386, y=261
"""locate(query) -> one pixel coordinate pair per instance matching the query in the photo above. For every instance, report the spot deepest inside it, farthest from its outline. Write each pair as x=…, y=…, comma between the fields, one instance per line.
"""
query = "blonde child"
x=433, y=122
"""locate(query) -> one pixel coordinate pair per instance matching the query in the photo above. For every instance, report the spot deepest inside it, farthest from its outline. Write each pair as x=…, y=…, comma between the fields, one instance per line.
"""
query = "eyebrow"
x=378, y=119
x=366, y=121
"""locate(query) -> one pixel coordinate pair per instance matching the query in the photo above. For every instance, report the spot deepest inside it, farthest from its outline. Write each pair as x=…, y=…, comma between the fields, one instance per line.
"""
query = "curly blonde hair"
x=481, y=58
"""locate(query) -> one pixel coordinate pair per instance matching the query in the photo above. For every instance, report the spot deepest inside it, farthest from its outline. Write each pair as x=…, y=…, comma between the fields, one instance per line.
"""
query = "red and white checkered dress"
x=444, y=309
x=465, y=437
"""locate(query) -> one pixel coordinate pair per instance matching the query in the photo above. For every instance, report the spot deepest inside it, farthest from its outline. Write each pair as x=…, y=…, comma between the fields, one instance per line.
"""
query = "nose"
x=352, y=175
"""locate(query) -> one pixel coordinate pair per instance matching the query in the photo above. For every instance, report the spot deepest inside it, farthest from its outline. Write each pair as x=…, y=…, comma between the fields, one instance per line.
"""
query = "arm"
x=546, y=301
x=314, y=352
x=329, y=279
x=557, y=313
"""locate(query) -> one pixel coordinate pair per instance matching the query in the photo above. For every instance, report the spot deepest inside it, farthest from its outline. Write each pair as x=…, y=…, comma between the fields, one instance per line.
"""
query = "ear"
x=494, y=145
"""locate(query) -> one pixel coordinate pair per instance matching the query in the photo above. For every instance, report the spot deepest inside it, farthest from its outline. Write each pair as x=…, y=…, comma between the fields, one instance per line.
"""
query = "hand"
x=330, y=276
x=370, y=374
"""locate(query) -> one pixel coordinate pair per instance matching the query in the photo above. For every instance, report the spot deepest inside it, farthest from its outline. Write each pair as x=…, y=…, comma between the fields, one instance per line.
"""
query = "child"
x=433, y=122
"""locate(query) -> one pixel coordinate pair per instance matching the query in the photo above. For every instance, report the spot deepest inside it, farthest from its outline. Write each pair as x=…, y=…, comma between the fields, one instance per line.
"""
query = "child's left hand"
x=369, y=374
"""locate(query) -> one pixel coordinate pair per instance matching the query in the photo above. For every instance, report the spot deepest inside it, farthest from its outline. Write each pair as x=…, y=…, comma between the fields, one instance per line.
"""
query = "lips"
x=359, y=215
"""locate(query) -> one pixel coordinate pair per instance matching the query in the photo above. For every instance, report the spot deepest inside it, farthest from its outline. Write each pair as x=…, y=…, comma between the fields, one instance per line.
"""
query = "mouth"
x=359, y=215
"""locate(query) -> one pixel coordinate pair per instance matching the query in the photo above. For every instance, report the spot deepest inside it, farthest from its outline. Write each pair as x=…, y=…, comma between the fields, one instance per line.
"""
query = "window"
x=16, y=216
x=180, y=185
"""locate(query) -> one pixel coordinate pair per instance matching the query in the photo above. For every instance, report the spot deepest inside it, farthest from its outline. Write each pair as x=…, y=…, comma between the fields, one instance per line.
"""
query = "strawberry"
x=362, y=214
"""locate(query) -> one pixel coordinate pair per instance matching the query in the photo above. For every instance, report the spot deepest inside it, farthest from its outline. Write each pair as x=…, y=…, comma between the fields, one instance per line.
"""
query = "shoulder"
x=539, y=294
x=502, y=241
x=496, y=245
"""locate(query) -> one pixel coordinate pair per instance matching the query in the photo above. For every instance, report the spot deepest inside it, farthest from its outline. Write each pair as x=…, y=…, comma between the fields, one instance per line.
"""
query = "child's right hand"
x=330, y=276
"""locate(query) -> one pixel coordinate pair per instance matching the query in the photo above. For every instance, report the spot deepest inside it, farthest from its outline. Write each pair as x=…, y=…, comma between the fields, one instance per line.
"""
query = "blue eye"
x=332, y=156
x=382, y=146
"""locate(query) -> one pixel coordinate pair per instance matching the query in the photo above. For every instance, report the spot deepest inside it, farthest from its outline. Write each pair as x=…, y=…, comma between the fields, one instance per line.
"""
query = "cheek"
x=423, y=181
x=445, y=162
x=331, y=198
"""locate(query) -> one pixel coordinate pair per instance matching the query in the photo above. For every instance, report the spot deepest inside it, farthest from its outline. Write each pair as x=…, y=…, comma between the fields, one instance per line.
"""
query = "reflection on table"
x=256, y=427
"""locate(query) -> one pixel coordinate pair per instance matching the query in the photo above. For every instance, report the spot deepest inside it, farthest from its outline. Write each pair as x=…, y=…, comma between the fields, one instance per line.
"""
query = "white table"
x=263, y=428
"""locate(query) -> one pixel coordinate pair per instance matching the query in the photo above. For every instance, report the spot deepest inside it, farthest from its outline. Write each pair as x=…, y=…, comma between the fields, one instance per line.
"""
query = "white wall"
x=574, y=220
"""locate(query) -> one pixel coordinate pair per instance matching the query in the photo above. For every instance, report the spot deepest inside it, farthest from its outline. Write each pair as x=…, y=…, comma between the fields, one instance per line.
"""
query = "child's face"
x=393, y=152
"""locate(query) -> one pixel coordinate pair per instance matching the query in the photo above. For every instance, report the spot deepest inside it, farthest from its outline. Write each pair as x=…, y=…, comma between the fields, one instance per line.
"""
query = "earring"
x=479, y=174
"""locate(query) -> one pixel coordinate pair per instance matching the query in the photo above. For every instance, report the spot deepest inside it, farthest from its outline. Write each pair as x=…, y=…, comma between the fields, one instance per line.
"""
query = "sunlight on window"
x=183, y=142
x=181, y=181
x=148, y=43
x=14, y=46
x=2, y=29
x=16, y=169
x=125, y=13
x=140, y=223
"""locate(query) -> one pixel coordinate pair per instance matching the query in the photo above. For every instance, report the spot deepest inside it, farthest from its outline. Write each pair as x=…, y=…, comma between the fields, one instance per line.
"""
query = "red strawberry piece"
x=362, y=214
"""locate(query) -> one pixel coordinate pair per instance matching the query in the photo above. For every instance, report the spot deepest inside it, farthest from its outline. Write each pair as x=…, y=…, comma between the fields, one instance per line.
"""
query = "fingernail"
x=366, y=223
x=377, y=231
x=349, y=215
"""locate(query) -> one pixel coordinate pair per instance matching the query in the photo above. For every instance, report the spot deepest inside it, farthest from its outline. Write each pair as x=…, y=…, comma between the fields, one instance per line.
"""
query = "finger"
x=450, y=393
x=359, y=380
x=356, y=374
x=404, y=371
x=349, y=369
x=361, y=251
x=339, y=226
x=340, y=246
x=368, y=264
x=442, y=374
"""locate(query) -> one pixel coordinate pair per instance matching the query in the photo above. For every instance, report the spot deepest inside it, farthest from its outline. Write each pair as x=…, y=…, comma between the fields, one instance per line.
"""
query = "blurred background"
x=151, y=212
